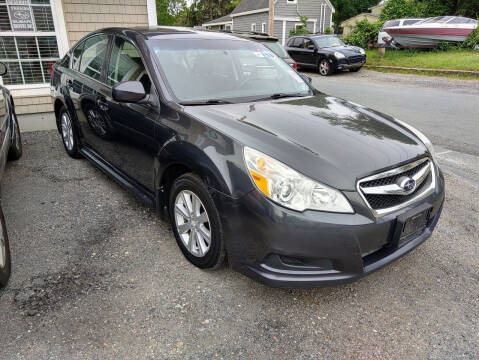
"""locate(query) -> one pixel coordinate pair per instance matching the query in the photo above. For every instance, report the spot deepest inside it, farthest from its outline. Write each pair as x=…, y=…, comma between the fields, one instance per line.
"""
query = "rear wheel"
x=196, y=223
x=15, y=151
x=68, y=134
x=325, y=68
x=5, y=263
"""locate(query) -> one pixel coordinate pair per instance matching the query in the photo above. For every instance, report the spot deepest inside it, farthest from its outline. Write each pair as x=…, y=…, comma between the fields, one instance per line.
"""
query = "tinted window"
x=65, y=62
x=298, y=42
x=126, y=65
x=391, y=23
x=77, y=56
x=410, y=22
x=93, y=56
x=307, y=43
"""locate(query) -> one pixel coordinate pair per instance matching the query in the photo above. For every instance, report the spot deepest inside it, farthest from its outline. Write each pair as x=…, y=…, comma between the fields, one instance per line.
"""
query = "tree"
x=302, y=29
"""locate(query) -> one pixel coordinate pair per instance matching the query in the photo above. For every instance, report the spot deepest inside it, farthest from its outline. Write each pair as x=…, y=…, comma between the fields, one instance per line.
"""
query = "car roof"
x=251, y=35
x=170, y=32
x=313, y=36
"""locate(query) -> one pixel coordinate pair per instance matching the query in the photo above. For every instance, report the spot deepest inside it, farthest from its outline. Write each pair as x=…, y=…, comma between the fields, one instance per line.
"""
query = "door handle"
x=102, y=104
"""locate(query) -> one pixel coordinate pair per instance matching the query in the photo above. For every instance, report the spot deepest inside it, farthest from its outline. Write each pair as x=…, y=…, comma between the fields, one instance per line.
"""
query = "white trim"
x=292, y=2
x=284, y=32
x=321, y=16
x=292, y=19
x=27, y=86
x=333, y=10
x=60, y=27
x=263, y=27
x=314, y=27
x=151, y=9
x=253, y=27
x=251, y=12
x=219, y=23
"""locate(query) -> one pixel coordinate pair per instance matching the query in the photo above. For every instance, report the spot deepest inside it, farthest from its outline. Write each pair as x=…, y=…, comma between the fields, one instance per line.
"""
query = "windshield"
x=276, y=47
x=328, y=41
x=232, y=70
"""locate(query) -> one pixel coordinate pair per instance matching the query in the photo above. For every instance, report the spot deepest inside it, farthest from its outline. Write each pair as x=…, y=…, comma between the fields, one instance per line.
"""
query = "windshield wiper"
x=205, y=102
x=281, y=96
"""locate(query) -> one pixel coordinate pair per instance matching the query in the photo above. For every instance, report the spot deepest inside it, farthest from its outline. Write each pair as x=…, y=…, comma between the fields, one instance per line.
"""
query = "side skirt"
x=121, y=178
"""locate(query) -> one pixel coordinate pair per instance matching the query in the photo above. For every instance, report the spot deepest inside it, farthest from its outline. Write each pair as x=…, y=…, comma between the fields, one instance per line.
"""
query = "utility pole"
x=271, y=17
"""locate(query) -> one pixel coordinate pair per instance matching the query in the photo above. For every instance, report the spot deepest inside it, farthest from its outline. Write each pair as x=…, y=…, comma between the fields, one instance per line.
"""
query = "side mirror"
x=3, y=69
x=306, y=78
x=128, y=92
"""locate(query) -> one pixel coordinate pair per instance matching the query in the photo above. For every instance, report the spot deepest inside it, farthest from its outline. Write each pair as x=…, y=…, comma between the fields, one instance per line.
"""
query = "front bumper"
x=351, y=63
x=285, y=248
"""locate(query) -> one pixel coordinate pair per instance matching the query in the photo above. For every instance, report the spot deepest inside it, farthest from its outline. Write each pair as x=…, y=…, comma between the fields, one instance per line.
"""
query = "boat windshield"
x=462, y=20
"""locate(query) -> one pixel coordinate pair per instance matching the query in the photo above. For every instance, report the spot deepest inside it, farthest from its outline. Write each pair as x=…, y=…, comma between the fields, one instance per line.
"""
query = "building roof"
x=250, y=5
x=358, y=16
x=221, y=20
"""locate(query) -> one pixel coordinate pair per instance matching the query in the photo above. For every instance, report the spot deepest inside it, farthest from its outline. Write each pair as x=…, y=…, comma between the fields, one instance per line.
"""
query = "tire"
x=68, y=133
x=325, y=68
x=204, y=252
x=5, y=261
x=16, y=150
x=355, y=70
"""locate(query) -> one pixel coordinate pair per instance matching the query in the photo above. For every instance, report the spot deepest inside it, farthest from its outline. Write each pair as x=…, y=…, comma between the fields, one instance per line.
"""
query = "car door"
x=135, y=131
x=84, y=82
x=294, y=48
x=309, y=52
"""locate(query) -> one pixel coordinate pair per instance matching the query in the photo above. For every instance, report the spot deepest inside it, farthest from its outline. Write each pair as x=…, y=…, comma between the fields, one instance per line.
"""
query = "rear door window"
x=93, y=56
x=77, y=56
x=298, y=42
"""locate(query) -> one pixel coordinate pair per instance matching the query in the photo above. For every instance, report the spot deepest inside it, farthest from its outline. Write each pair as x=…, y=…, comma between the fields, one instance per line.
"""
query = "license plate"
x=415, y=225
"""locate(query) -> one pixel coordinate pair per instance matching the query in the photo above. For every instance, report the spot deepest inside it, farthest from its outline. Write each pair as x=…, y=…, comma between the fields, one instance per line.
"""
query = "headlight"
x=421, y=137
x=291, y=189
x=338, y=55
x=361, y=50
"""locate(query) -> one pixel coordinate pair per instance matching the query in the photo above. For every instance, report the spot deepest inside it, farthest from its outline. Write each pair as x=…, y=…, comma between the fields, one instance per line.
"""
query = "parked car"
x=269, y=41
x=250, y=162
x=10, y=149
x=326, y=53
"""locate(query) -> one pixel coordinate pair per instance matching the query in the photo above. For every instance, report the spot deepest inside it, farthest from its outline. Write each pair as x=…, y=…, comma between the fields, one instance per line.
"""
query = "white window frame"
x=263, y=28
x=253, y=27
x=59, y=33
x=229, y=27
x=298, y=24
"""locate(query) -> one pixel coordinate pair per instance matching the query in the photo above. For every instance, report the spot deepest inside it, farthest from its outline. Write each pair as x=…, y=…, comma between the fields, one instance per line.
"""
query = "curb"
x=437, y=71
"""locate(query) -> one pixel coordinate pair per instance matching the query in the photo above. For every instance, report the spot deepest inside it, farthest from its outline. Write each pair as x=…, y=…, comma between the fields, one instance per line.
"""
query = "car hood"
x=328, y=139
x=345, y=50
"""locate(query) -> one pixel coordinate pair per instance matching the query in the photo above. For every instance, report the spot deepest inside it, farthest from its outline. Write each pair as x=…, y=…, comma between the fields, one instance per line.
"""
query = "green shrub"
x=445, y=46
x=328, y=30
x=364, y=33
x=472, y=40
x=301, y=30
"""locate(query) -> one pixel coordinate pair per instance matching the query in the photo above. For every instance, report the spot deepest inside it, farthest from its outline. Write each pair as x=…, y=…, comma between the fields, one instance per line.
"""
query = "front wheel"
x=325, y=68
x=196, y=222
x=5, y=263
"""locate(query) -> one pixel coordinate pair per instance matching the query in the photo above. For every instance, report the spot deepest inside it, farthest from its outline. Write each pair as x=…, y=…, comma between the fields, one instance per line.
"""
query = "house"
x=253, y=15
x=372, y=16
x=349, y=24
x=36, y=33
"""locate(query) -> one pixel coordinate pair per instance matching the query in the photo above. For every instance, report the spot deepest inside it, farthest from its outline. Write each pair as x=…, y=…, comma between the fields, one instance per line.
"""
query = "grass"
x=432, y=59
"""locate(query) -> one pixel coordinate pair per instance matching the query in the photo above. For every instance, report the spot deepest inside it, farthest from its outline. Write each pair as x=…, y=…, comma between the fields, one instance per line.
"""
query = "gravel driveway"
x=96, y=275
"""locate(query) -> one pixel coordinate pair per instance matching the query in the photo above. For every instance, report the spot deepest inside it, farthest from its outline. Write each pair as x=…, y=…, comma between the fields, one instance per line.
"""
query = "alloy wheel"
x=324, y=68
x=192, y=223
x=67, y=131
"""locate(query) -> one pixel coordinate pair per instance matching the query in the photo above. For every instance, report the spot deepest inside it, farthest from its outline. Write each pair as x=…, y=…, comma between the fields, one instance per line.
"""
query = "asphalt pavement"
x=96, y=275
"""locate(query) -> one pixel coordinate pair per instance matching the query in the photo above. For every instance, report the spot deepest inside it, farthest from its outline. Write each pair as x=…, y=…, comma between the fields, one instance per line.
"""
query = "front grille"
x=355, y=59
x=380, y=202
x=383, y=191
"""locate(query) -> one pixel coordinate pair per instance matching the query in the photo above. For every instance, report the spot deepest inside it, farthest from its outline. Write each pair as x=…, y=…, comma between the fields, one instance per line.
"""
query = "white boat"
x=429, y=32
